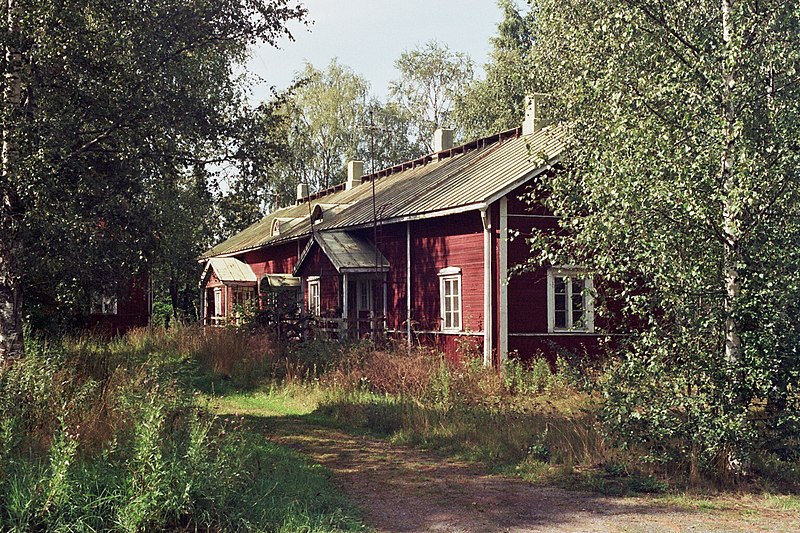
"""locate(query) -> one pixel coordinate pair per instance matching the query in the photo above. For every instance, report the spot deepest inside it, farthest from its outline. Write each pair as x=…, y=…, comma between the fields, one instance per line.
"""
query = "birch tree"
x=682, y=192
x=431, y=78
x=497, y=102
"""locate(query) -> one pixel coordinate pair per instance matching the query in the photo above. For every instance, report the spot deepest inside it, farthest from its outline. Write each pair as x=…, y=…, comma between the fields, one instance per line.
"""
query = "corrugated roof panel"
x=464, y=178
x=229, y=269
x=282, y=281
x=348, y=252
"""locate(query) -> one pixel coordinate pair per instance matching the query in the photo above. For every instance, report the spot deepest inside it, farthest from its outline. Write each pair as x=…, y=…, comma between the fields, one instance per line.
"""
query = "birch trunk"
x=731, y=463
x=731, y=224
x=11, y=345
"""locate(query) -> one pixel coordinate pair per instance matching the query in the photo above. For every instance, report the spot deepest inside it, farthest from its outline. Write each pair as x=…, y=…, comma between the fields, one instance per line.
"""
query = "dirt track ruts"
x=401, y=489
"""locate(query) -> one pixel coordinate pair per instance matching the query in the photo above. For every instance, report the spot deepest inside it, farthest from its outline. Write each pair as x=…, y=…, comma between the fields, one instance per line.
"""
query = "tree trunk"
x=731, y=224
x=732, y=463
x=11, y=345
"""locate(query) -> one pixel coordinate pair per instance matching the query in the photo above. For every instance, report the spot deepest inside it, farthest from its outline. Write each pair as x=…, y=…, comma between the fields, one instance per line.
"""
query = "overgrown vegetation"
x=114, y=435
x=679, y=191
x=541, y=421
x=98, y=435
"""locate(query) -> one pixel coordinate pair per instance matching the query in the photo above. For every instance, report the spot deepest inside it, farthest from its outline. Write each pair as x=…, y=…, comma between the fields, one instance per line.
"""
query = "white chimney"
x=536, y=113
x=442, y=139
x=302, y=191
x=355, y=169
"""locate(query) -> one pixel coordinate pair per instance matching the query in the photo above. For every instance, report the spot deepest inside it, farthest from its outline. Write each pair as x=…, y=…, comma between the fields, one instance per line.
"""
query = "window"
x=242, y=298
x=104, y=304
x=218, y=309
x=364, y=291
x=313, y=297
x=569, y=300
x=450, y=298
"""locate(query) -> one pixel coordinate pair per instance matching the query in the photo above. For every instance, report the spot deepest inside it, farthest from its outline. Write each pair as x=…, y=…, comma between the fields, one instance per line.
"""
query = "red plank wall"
x=133, y=308
x=279, y=259
x=527, y=292
x=392, y=244
x=451, y=241
x=318, y=264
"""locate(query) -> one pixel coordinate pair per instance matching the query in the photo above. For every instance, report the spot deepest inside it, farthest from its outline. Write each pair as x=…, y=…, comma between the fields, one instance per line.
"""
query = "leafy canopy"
x=118, y=100
x=681, y=191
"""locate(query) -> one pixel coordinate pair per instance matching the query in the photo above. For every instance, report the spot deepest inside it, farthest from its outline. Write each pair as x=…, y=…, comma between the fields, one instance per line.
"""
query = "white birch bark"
x=11, y=345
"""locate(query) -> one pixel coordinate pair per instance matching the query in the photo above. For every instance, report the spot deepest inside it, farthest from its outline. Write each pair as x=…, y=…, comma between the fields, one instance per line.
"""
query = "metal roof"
x=347, y=252
x=229, y=269
x=465, y=177
x=281, y=281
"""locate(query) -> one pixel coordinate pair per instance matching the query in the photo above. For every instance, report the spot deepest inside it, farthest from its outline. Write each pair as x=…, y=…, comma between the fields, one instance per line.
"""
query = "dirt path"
x=403, y=489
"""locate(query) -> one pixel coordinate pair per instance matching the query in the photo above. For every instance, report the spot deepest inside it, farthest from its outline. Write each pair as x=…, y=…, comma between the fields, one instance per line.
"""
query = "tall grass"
x=529, y=419
x=98, y=435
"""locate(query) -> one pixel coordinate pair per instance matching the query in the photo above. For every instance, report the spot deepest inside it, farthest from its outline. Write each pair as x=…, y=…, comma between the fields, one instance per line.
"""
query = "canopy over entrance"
x=229, y=270
x=347, y=252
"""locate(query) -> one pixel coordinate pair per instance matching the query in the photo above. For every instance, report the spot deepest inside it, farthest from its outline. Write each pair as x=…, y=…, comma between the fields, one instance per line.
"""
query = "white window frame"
x=450, y=274
x=219, y=301
x=104, y=304
x=588, y=299
x=364, y=288
x=314, y=296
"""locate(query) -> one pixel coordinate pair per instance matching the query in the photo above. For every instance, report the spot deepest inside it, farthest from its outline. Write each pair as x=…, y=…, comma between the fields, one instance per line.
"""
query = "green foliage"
x=326, y=120
x=100, y=436
x=680, y=191
x=497, y=102
x=162, y=313
x=431, y=77
x=122, y=107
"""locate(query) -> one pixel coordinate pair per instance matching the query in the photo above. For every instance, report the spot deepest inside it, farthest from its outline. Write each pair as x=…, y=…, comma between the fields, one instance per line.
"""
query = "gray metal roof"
x=281, y=281
x=466, y=177
x=347, y=252
x=229, y=269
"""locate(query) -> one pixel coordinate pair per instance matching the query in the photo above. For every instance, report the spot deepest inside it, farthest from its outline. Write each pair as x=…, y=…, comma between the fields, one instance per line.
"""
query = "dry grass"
x=517, y=419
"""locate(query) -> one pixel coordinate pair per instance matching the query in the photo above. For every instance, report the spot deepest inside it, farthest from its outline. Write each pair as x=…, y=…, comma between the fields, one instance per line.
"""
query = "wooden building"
x=126, y=308
x=423, y=251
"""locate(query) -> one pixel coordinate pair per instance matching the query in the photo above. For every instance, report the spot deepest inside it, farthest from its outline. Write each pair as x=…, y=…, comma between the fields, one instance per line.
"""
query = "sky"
x=368, y=35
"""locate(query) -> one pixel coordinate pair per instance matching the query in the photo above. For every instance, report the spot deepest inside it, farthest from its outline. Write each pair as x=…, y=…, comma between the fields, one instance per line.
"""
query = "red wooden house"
x=126, y=308
x=421, y=250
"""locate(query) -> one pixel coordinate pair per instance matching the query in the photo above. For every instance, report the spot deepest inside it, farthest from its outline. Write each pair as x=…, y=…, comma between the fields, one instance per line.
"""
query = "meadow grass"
x=537, y=420
x=99, y=434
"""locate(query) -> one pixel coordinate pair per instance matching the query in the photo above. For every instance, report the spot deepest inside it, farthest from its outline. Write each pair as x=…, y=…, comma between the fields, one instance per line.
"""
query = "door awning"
x=280, y=281
x=347, y=252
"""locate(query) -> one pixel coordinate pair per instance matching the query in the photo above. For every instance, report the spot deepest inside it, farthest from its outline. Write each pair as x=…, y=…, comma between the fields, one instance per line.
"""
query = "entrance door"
x=364, y=307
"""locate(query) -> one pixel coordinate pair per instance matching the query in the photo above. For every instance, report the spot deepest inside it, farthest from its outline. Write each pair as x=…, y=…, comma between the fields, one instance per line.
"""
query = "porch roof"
x=230, y=270
x=282, y=281
x=347, y=253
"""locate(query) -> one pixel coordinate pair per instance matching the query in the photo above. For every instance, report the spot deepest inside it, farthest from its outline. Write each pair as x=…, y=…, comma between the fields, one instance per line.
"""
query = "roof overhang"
x=228, y=271
x=347, y=252
x=281, y=281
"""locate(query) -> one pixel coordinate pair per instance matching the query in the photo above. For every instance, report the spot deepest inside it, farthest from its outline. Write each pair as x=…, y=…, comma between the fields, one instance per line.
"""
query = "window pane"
x=560, y=285
x=561, y=319
x=561, y=302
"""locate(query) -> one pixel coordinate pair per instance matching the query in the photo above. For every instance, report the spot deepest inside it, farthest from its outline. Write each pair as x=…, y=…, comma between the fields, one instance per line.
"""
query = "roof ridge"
x=420, y=161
